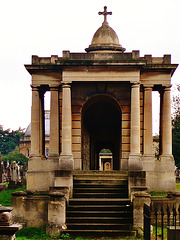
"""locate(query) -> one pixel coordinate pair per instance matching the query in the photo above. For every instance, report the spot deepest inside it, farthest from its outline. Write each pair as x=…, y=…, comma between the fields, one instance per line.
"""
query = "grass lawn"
x=5, y=196
x=37, y=233
x=178, y=186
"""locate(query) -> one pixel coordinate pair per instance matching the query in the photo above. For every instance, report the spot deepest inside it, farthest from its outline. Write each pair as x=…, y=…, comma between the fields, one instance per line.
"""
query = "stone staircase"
x=100, y=205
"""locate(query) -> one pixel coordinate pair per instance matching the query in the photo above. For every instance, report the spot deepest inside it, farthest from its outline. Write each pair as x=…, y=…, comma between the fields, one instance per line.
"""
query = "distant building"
x=25, y=142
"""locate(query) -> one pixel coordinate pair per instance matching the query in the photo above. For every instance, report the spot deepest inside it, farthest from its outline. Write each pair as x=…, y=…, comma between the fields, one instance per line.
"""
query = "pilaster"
x=166, y=123
x=66, y=158
x=135, y=156
x=36, y=123
x=148, y=139
x=54, y=123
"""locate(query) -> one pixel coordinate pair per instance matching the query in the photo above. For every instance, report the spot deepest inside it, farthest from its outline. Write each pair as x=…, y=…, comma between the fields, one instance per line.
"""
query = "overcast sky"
x=47, y=27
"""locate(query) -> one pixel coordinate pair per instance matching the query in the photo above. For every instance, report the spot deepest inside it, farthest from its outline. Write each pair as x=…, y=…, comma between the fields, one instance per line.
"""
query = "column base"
x=135, y=162
x=148, y=161
x=160, y=174
x=66, y=162
x=41, y=171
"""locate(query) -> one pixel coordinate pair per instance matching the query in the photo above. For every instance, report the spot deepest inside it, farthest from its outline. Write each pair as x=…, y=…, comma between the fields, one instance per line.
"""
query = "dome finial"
x=105, y=13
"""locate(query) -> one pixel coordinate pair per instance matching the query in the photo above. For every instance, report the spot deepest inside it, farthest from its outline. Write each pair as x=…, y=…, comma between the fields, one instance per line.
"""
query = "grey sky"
x=47, y=27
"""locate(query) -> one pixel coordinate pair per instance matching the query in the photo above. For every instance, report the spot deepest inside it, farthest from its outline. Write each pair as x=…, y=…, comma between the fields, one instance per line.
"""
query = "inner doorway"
x=105, y=160
x=101, y=129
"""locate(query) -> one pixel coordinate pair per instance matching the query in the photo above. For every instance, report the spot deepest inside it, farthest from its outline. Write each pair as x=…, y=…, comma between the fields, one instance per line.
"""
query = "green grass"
x=159, y=194
x=164, y=194
x=159, y=232
x=5, y=196
x=40, y=233
x=178, y=186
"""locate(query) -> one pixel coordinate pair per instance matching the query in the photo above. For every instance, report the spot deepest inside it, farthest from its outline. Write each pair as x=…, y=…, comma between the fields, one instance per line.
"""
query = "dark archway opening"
x=101, y=129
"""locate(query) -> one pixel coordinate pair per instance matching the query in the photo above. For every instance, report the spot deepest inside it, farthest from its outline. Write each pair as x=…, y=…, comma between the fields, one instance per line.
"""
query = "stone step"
x=115, y=234
x=101, y=181
x=100, y=195
x=100, y=205
x=125, y=220
x=100, y=176
x=127, y=213
x=97, y=226
x=94, y=184
x=98, y=208
x=97, y=172
x=100, y=201
x=98, y=190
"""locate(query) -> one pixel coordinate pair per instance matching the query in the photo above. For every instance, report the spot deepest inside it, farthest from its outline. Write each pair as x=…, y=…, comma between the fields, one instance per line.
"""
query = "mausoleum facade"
x=100, y=99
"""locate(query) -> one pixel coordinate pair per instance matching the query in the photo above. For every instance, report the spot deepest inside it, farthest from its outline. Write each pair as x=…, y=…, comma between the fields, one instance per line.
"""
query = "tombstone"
x=7, y=228
x=8, y=172
x=23, y=173
x=2, y=185
x=14, y=172
x=18, y=172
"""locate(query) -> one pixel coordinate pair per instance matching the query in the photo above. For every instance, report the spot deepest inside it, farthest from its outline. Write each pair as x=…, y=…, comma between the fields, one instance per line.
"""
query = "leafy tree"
x=176, y=127
x=15, y=156
x=9, y=139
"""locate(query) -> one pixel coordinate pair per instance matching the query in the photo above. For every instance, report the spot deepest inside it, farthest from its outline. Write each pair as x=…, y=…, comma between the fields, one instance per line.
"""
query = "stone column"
x=54, y=122
x=160, y=122
x=35, y=123
x=42, y=123
x=66, y=157
x=166, y=123
x=134, y=157
x=148, y=139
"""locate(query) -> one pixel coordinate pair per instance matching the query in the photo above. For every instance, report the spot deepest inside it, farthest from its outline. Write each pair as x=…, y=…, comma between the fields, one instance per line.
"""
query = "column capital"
x=66, y=85
x=167, y=88
x=147, y=89
x=135, y=85
x=148, y=86
x=35, y=87
x=54, y=88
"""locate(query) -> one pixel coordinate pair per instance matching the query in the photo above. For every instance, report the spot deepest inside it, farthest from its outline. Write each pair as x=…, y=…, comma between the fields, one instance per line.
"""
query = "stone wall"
x=30, y=210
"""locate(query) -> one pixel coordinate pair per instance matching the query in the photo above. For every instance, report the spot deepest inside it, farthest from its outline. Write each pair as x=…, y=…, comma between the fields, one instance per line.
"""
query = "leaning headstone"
x=13, y=176
x=8, y=172
x=2, y=185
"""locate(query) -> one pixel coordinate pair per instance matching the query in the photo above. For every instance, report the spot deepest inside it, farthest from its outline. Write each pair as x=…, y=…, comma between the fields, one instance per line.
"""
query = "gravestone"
x=7, y=228
x=2, y=185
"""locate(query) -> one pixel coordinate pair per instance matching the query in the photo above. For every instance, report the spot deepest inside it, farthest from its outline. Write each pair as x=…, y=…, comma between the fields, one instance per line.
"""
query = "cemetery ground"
x=35, y=233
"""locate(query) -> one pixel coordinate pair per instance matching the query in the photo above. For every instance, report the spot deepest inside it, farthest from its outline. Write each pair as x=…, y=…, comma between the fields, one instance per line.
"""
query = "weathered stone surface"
x=101, y=99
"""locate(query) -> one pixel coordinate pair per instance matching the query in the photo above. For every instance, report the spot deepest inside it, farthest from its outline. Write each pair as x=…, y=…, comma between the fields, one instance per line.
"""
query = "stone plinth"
x=7, y=228
x=29, y=209
x=139, y=199
x=160, y=174
x=56, y=213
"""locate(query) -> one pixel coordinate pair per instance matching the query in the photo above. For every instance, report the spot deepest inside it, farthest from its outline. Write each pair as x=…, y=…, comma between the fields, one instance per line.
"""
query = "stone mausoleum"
x=101, y=99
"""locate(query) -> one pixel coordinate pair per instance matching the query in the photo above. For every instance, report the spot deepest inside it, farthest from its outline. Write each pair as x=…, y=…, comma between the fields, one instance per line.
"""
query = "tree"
x=176, y=127
x=15, y=156
x=9, y=140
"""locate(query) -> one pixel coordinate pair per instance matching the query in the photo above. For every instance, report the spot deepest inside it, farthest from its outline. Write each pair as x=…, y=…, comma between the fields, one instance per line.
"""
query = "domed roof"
x=105, y=38
x=47, y=125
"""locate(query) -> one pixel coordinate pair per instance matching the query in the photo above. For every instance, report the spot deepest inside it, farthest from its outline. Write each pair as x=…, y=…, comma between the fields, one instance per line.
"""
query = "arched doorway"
x=105, y=160
x=101, y=129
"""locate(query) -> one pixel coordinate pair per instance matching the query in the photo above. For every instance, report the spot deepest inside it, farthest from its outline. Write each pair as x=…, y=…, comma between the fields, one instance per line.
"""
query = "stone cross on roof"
x=105, y=13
